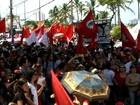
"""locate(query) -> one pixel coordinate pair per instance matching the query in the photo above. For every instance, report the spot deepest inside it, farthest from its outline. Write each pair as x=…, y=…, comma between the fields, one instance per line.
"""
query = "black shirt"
x=20, y=96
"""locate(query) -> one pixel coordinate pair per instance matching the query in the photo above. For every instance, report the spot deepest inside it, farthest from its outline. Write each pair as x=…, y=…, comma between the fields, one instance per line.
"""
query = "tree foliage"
x=116, y=31
x=31, y=24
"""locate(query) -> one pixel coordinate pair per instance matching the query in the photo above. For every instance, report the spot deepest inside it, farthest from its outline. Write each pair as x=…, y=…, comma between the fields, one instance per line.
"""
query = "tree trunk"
x=118, y=14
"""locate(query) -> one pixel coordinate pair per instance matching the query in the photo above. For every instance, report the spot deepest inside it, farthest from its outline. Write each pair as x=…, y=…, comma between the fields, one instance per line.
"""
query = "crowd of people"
x=25, y=77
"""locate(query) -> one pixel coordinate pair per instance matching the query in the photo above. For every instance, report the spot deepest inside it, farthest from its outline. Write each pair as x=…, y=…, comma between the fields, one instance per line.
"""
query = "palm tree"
x=114, y=5
x=122, y=4
x=103, y=15
x=54, y=14
x=77, y=4
x=82, y=9
x=65, y=13
x=91, y=5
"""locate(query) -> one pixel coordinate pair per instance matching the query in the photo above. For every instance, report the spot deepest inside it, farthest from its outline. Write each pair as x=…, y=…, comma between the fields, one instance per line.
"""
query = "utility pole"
x=138, y=9
x=24, y=13
x=11, y=18
x=39, y=13
x=72, y=11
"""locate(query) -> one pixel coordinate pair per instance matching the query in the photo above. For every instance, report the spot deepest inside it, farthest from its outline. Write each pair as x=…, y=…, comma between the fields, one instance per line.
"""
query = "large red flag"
x=86, y=26
x=138, y=43
x=80, y=49
x=126, y=37
x=61, y=96
x=2, y=26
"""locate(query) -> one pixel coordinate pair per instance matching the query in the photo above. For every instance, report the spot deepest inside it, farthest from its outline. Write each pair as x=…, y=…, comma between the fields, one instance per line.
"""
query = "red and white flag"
x=32, y=38
x=93, y=41
x=80, y=48
x=85, y=27
x=44, y=40
x=52, y=31
x=126, y=37
x=2, y=26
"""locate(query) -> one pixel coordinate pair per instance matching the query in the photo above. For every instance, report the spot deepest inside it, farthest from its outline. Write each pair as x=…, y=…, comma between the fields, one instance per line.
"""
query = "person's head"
x=2, y=63
x=32, y=76
x=122, y=68
x=21, y=85
x=133, y=69
x=23, y=62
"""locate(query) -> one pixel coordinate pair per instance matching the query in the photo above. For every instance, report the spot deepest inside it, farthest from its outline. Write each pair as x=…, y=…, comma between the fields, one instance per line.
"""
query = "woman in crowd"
x=22, y=95
x=119, y=80
x=133, y=82
x=32, y=79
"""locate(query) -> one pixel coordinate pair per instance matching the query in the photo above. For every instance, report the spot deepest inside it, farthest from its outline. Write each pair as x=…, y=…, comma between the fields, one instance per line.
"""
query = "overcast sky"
x=31, y=5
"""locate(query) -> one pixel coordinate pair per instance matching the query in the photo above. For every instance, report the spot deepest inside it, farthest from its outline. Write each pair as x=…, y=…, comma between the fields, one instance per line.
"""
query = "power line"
x=40, y=7
x=31, y=15
x=20, y=3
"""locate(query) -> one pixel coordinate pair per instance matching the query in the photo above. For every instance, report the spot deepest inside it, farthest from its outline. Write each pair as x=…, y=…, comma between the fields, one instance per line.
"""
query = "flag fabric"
x=68, y=33
x=138, y=43
x=44, y=40
x=80, y=49
x=93, y=41
x=2, y=26
x=85, y=27
x=32, y=38
x=39, y=29
x=61, y=96
x=25, y=34
x=126, y=37
x=53, y=30
x=40, y=34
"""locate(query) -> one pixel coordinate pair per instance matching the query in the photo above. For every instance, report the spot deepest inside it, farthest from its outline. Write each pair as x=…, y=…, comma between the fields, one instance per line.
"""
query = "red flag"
x=25, y=34
x=61, y=97
x=68, y=34
x=86, y=26
x=126, y=37
x=53, y=30
x=94, y=41
x=40, y=28
x=80, y=49
x=138, y=43
x=69, y=31
x=2, y=26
